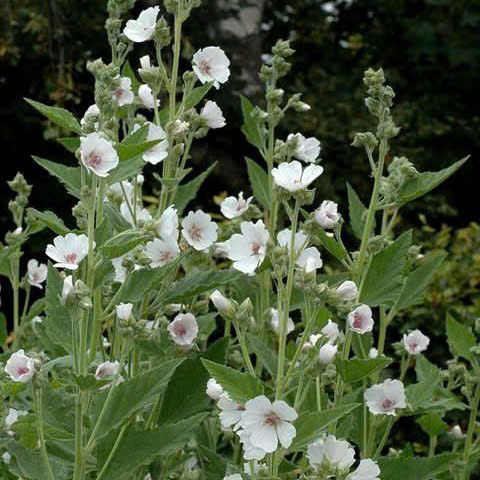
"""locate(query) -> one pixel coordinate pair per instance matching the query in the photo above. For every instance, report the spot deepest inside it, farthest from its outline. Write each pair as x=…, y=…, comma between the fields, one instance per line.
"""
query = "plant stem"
x=384, y=438
x=464, y=475
x=112, y=453
x=243, y=348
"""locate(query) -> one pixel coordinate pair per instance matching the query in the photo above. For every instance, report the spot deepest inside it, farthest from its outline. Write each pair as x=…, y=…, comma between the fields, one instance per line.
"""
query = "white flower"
x=159, y=151
x=92, y=111
x=248, y=249
x=214, y=389
x=107, y=369
x=124, y=310
x=167, y=225
x=231, y=412
x=213, y=115
x=120, y=270
x=6, y=457
x=250, y=452
x=275, y=322
x=269, y=423
x=292, y=177
x=67, y=290
x=11, y=418
x=146, y=96
x=147, y=477
x=68, y=251
x=141, y=213
x=20, y=367
x=312, y=341
x=338, y=453
x=307, y=149
x=37, y=273
x=360, y=320
x=199, y=230
x=222, y=304
x=331, y=331
x=181, y=127
x=145, y=65
x=252, y=468
x=347, y=291
x=456, y=432
x=327, y=353
x=143, y=28
x=184, y=329
x=235, y=476
x=233, y=207
x=97, y=154
x=385, y=397
x=284, y=239
x=220, y=250
x=162, y=252
x=366, y=470
x=123, y=94
x=140, y=179
x=309, y=260
x=211, y=65
x=415, y=342
x=326, y=215
x=117, y=190
x=373, y=353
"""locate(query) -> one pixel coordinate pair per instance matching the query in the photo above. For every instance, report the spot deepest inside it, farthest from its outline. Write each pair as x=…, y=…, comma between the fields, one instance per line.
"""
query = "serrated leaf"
x=72, y=144
x=310, y=426
x=198, y=282
x=187, y=192
x=240, y=386
x=51, y=221
x=357, y=211
x=131, y=396
x=251, y=127
x=460, y=338
x=418, y=280
x=264, y=353
x=69, y=176
x=415, y=468
x=424, y=182
x=185, y=395
x=196, y=96
x=57, y=115
x=432, y=424
x=383, y=282
x=356, y=369
x=103, y=232
x=122, y=243
x=148, y=445
x=330, y=244
x=259, y=181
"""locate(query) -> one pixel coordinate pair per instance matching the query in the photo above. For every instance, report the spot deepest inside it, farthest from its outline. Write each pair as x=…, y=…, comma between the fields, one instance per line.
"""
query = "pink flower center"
x=118, y=92
x=271, y=420
x=256, y=248
x=180, y=330
x=165, y=256
x=195, y=232
x=94, y=160
x=71, y=258
x=205, y=67
x=22, y=371
x=35, y=277
x=387, y=404
x=413, y=346
x=357, y=321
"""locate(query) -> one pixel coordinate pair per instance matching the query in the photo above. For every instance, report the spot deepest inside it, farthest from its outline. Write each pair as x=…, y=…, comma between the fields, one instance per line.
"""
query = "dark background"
x=429, y=50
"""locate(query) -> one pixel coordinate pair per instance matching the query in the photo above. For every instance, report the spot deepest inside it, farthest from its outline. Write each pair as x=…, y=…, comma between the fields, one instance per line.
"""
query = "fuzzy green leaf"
x=356, y=369
x=251, y=127
x=415, y=468
x=51, y=221
x=69, y=176
x=196, y=96
x=265, y=354
x=357, y=211
x=72, y=144
x=57, y=115
x=122, y=243
x=432, y=424
x=259, y=180
x=460, y=338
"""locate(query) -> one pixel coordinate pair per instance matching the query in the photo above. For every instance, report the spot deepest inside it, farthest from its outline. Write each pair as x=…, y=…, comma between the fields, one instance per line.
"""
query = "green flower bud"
x=366, y=139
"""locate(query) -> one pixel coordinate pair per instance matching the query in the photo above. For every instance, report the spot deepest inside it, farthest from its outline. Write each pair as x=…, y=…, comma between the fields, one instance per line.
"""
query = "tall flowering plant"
x=170, y=345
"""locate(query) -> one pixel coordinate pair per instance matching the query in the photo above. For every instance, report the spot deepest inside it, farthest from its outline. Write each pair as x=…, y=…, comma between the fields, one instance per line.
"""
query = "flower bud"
x=327, y=353
x=347, y=291
x=222, y=304
x=367, y=140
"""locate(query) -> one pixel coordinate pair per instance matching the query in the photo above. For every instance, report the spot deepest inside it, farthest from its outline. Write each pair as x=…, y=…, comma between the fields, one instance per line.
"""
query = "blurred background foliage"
x=429, y=49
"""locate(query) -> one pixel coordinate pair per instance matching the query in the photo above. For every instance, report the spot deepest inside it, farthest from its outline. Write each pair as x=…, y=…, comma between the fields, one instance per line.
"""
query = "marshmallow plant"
x=176, y=342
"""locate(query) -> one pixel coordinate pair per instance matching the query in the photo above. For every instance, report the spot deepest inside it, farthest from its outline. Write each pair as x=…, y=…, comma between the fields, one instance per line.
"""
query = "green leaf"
x=115, y=217
x=432, y=424
x=460, y=338
x=3, y=329
x=251, y=127
x=57, y=115
x=199, y=282
x=357, y=211
x=128, y=72
x=131, y=396
x=138, y=136
x=418, y=280
x=147, y=445
x=426, y=181
x=196, y=96
x=420, y=394
x=187, y=192
x=122, y=243
x=69, y=176
x=103, y=232
x=259, y=180
x=185, y=395
x=51, y=221
x=355, y=369
x=415, y=468
x=310, y=426
x=72, y=144
x=240, y=386
x=127, y=150
x=330, y=244
x=383, y=282
x=264, y=353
